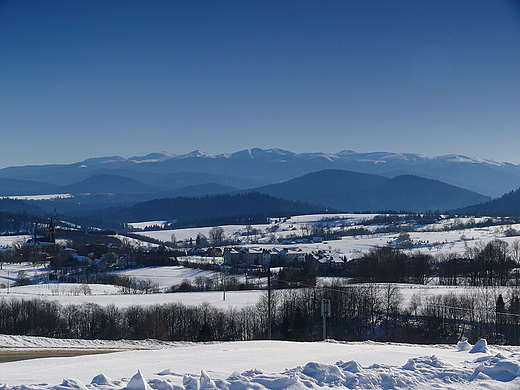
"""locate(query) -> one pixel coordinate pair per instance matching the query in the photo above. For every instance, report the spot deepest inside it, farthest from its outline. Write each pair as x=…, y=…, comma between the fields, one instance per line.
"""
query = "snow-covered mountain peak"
x=153, y=157
x=260, y=154
x=378, y=157
x=466, y=159
x=195, y=154
x=101, y=160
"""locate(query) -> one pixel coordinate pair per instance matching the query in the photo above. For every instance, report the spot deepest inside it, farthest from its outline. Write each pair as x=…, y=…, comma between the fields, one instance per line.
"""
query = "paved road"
x=12, y=355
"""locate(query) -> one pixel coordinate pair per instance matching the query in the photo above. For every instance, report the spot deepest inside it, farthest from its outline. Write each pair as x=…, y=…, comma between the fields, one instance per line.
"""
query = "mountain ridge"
x=270, y=166
x=273, y=153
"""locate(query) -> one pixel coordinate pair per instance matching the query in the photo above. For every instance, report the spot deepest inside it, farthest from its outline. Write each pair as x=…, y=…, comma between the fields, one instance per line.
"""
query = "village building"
x=322, y=258
x=46, y=244
x=263, y=257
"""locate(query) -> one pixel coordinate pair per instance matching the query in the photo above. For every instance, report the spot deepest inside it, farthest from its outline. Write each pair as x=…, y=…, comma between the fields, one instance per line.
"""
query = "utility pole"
x=269, y=336
x=325, y=312
x=223, y=285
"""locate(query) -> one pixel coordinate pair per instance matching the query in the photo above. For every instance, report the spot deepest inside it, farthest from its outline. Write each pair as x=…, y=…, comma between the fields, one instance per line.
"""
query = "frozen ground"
x=263, y=365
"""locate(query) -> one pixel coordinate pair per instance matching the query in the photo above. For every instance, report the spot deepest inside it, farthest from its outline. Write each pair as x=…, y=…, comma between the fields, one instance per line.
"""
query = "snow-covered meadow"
x=435, y=238
x=165, y=277
x=262, y=365
x=104, y=295
x=70, y=294
x=8, y=241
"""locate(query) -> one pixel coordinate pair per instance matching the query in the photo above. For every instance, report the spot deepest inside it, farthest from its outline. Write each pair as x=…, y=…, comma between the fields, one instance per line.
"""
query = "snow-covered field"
x=104, y=295
x=8, y=241
x=219, y=299
x=41, y=197
x=432, y=239
x=144, y=225
x=263, y=365
x=165, y=277
x=9, y=271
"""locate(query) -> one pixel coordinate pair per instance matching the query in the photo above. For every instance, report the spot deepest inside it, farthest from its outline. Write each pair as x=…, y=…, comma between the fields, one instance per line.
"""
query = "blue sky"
x=82, y=79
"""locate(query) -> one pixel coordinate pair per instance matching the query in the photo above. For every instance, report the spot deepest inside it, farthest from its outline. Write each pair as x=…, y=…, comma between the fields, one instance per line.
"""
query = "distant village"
x=71, y=264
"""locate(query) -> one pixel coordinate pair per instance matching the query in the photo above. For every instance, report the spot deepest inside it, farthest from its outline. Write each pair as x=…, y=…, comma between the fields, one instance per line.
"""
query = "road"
x=12, y=355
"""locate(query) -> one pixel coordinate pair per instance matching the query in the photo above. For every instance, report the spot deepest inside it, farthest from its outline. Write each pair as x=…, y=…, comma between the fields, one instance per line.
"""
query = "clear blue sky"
x=82, y=79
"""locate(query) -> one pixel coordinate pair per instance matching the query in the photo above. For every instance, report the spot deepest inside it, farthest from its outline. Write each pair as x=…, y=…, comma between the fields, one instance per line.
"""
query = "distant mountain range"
x=344, y=181
x=327, y=190
x=257, y=167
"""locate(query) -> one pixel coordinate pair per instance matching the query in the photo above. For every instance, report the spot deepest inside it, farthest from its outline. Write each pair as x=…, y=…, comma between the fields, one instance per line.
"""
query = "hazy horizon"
x=92, y=79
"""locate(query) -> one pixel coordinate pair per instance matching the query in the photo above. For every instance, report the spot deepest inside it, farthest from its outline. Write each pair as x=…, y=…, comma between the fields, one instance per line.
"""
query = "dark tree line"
x=359, y=312
x=390, y=265
x=493, y=264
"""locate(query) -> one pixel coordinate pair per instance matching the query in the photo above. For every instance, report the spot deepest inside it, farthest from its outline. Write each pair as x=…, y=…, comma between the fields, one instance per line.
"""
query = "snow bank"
x=34, y=342
x=448, y=368
x=422, y=372
x=497, y=367
x=70, y=384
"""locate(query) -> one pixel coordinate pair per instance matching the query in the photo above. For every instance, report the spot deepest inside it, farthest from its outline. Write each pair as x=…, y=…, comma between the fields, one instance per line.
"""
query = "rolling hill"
x=507, y=205
x=17, y=187
x=209, y=207
x=106, y=183
x=355, y=192
x=328, y=190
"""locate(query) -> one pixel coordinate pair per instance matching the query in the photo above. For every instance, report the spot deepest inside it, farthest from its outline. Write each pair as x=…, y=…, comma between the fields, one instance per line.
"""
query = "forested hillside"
x=506, y=205
x=184, y=208
x=357, y=192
